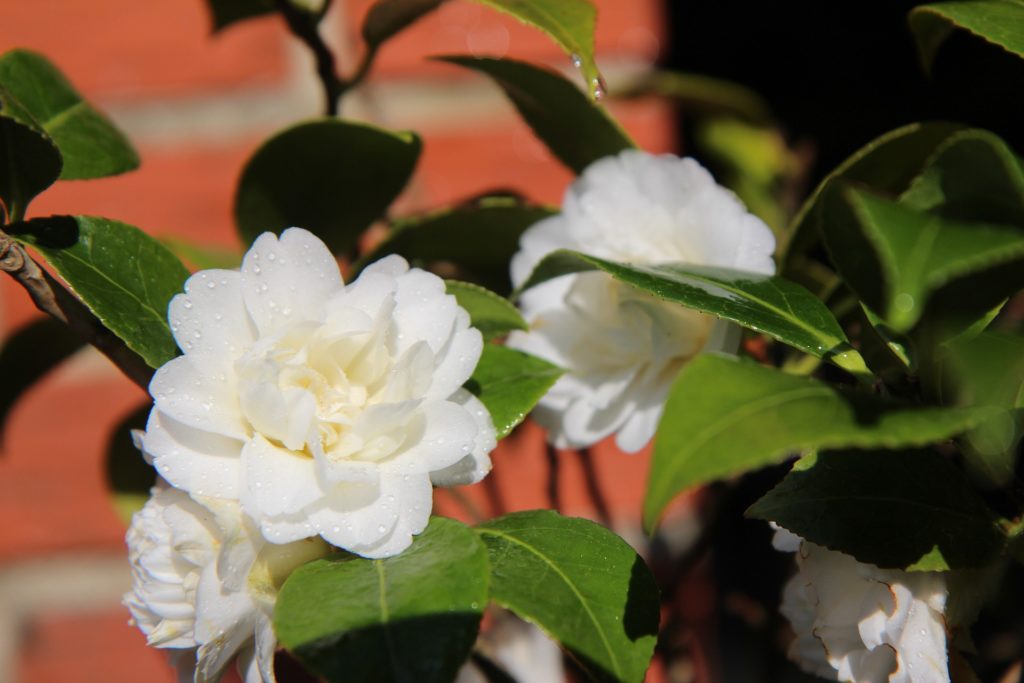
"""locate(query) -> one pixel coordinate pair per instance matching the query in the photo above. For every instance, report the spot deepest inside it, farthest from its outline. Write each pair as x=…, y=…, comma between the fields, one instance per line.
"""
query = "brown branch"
x=52, y=298
x=303, y=26
x=604, y=515
x=553, y=478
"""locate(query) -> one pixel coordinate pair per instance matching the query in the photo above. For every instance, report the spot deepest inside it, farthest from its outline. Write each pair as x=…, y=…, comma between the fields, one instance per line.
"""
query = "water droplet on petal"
x=381, y=529
x=257, y=270
x=211, y=284
x=271, y=256
x=187, y=303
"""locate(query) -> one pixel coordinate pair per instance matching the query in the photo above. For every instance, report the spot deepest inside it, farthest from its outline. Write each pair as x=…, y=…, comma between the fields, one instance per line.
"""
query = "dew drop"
x=257, y=270
x=271, y=256
x=336, y=529
x=381, y=529
x=211, y=284
x=598, y=88
x=577, y=61
x=187, y=303
x=197, y=334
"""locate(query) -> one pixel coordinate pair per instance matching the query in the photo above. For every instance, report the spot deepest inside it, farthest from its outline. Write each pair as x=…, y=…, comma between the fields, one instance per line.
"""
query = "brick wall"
x=196, y=105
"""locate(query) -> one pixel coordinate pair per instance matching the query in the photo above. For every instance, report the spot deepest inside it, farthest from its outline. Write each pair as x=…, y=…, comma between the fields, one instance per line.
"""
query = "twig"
x=304, y=26
x=594, y=487
x=553, y=477
x=53, y=299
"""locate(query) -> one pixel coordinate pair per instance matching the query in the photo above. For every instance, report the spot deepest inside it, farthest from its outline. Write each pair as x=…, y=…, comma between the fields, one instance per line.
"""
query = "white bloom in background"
x=325, y=409
x=204, y=583
x=520, y=649
x=856, y=622
x=622, y=348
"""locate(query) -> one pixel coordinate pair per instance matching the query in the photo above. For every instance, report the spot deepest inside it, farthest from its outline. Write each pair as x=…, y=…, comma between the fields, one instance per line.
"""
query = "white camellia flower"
x=204, y=582
x=325, y=409
x=856, y=622
x=621, y=347
x=520, y=649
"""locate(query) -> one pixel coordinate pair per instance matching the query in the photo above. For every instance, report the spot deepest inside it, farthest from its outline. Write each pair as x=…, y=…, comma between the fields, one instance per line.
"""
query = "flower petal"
x=475, y=466
x=210, y=321
x=277, y=481
x=200, y=462
x=197, y=399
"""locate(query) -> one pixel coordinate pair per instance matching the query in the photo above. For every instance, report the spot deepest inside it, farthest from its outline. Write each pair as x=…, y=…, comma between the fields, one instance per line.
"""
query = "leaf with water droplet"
x=509, y=383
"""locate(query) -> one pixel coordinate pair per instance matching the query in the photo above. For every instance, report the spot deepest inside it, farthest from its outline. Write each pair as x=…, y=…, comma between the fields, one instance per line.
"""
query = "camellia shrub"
x=850, y=364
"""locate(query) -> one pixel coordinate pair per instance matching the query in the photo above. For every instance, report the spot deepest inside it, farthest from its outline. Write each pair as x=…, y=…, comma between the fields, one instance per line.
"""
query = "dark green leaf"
x=972, y=176
x=576, y=130
x=129, y=476
x=480, y=239
x=510, y=383
x=202, y=257
x=412, y=617
x=1000, y=22
x=725, y=416
x=888, y=164
x=226, y=12
x=388, y=17
x=330, y=177
x=89, y=143
x=29, y=159
x=488, y=312
x=570, y=23
x=772, y=305
x=27, y=355
x=579, y=582
x=895, y=509
x=702, y=95
x=894, y=257
x=123, y=275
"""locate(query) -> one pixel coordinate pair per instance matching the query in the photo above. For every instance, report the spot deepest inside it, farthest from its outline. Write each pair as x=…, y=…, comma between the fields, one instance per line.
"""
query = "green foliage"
x=902, y=509
x=702, y=95
x=577, y=131
x=479, y=238
x=328, y=176
x=123, y=275
x=1000, y=22
x=388, y=17
x=725, y=416
x=412, y=617
x=27, y=355
x=89, y=143
x=510, y=383
x=202, y=257
x=488, y=312
x=579, y=582
x=223, y=13
x=29, y=157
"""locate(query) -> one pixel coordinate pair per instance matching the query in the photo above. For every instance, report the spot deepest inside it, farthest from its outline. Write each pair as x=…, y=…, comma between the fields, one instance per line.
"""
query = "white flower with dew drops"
x=325, y=409
x=621, y=347
x=856, y=622
x=204, y=583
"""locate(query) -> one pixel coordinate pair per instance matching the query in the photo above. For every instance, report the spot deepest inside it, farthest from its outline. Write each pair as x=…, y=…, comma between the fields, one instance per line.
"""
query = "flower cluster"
x=621, y=347
x=856, y=622
x=303, y=414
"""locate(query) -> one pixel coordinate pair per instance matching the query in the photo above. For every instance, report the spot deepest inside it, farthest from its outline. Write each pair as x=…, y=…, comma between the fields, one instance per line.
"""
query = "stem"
x=594, y=487
x=553, y=477
x=362, y=69
x=303, y=26
x=53, y=299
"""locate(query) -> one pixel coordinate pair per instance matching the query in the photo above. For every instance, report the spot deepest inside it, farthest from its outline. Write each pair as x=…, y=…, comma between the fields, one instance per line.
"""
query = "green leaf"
x=725, y=416
x=509, y=383
x=570, y=23
x=388, y=17
x=576, y=130
x=203, y=257
x=488, y=312
x=27, y=355
x=412, y=617
x=129, y=476
x=999, y=22
x=972, y=176
x=480, y=239
x=894, y=509
x=328, y=176
x=894, y=257
x=703, y=95
x=123, y=275
x=888, y=164
x=29, y=159
x=581, y=584
x=92, y=147
x=768, y=304
x=223, y=13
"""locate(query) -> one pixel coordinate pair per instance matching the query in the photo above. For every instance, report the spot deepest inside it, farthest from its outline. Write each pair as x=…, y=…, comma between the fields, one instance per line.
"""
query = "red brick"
x=124, y=49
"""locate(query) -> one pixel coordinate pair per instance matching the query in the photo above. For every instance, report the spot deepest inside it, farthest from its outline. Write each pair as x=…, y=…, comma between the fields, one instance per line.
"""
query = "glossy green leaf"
x=576, y=130
x=129, y=476
x=203, y=257
x=888, y=164
x=92, y=147
x=702, y=95
x=123, y=275
x=480, y=239
x=1000, y=22
x=412, y=617
x=972, y=176
x=894, y=257
x=894, y=509
x=725, y=416
x=388, y=17
x=29, y=158
x=772, y=305
x=570, y=23
x=493, y=315
x=331, y=177
x=510, y=383
x=223, y=13
x=27, y=355
x=581, y=584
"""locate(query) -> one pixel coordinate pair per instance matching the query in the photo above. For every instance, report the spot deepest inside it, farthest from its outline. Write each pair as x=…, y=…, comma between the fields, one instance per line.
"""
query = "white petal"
x=210, y=321
x=414, y=500
x=449, y=433
x=197, y=399
x=476, y=465
x=288, y=279
x=539, y=240
x=458, y=360
x=277, y=481
x=638, y=429
x=196, y=461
